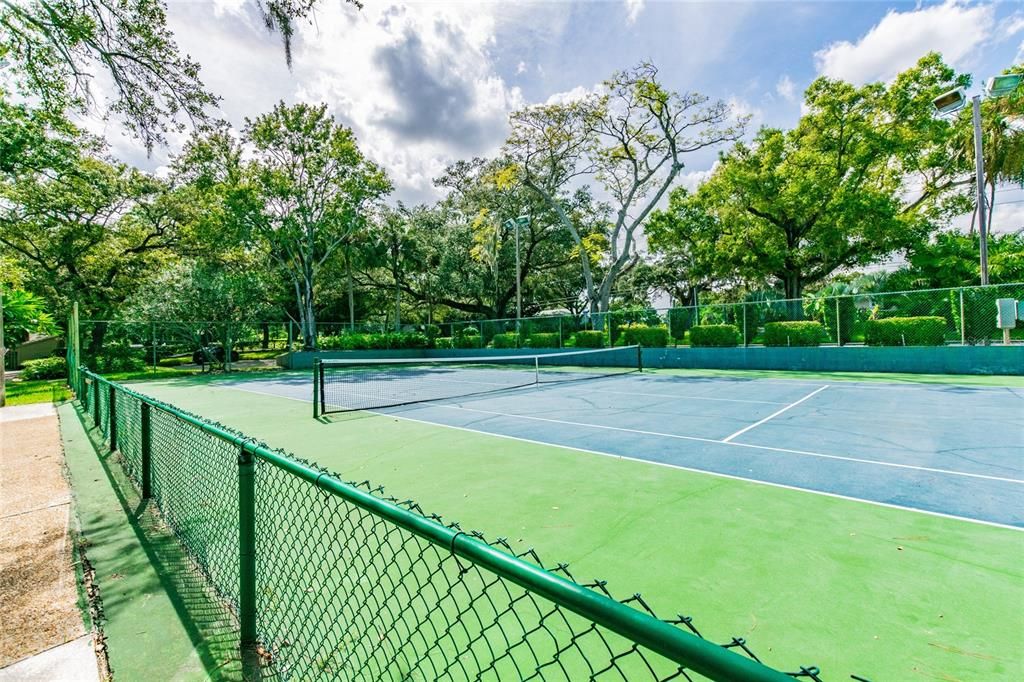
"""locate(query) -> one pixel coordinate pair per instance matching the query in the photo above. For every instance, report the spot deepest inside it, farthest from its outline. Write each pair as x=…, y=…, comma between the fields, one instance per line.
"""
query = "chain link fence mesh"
x=351, y=584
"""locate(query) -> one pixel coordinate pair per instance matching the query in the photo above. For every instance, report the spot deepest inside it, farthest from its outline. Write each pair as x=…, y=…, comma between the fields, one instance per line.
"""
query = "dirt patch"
x=37, y=575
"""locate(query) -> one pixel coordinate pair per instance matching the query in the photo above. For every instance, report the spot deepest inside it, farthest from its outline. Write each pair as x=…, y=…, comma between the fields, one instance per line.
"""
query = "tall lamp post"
x=516, y=224
x=955, y=100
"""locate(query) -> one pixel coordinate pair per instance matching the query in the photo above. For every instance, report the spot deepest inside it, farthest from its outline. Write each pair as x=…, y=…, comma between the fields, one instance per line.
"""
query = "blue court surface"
x=944, y=449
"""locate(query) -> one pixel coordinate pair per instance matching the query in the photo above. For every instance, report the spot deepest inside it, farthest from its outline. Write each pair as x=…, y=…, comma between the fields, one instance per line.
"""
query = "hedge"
x=588, y=339
x=508, y=340
x=714, y=335
x=794, y=333
x=468, y=340
x=45, y=368
x=906, y=331
x=350, y=341
x=543, y=340
x=444, y=342
x=644, y=335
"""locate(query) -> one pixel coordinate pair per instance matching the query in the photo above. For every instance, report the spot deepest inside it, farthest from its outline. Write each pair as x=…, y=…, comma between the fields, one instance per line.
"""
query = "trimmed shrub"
x=715, y=335
x=644, y=335
x=679, y=321
x=794, y=333
x=588, y=339
x=509, y=340
x=444, y=342
x=906, y=331
x=350, y=341
x=120, y=357
x=45, y=368
x=468, y=331
x=543, y=340
x=472, y=340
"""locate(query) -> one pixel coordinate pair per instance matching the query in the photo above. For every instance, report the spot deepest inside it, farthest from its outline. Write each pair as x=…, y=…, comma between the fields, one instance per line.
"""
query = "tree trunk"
x=266, y=336
x=794, y=287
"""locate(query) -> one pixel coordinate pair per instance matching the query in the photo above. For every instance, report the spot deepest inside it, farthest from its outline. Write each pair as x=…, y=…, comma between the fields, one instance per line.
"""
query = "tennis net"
x=348, y=385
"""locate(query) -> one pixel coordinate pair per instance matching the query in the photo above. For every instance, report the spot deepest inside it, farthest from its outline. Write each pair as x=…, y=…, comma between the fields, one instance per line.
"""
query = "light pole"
x=954, y=100
x=516, y=224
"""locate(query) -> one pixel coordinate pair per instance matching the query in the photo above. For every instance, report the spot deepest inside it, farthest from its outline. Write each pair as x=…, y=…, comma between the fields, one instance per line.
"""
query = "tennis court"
x=942, y=449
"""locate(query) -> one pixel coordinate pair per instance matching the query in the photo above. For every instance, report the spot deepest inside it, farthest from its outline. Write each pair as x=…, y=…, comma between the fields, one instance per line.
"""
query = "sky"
x=426, y=83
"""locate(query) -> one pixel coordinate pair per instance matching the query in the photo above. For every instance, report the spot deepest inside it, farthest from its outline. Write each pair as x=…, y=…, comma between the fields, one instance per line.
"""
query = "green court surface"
x=807, y=579
x=158, y=619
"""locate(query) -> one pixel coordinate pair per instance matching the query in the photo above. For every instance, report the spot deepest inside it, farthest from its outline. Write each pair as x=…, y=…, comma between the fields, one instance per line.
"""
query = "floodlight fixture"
x=1000, y=86
x=949, y=102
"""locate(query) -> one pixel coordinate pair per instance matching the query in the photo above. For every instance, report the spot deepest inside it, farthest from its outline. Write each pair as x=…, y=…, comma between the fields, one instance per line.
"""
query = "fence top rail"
x=688, y=650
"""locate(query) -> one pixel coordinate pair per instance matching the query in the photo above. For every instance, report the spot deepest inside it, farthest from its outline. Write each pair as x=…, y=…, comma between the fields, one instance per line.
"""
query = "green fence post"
x=95, y=403
x=147, y=452
x=745, y=343
x=839, y=335
x=112, y=417
x=290, y=339
x=247, y=553
x=963, y=324
x=153, y=334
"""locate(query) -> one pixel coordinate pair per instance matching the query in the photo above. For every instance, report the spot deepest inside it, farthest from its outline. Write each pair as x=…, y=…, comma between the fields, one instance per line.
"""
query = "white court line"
x=804, y=453
x=667, y=465
x=774, y=414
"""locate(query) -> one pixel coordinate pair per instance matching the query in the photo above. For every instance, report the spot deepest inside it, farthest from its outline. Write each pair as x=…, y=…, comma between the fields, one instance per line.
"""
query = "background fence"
x=968, y=315
x=334, y=580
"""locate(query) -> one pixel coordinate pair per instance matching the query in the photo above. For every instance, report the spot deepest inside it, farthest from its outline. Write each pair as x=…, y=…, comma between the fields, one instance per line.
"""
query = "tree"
x=683, y=240
x=55, y=44
x=796, y=206
x=298, y=198
x=951, y=260
x=630, y=138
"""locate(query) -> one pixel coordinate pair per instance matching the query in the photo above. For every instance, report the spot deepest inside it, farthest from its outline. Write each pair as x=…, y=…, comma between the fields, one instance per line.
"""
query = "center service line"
x=774, y=414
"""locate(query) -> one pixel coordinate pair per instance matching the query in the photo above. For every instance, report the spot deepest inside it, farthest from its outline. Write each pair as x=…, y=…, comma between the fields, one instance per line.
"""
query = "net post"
x=639, y=357
x=95, y=403
x=147, y=451
x=963, y=324
x=536, y=369
x=318, y=389
x=112, y=412
x=247, y=554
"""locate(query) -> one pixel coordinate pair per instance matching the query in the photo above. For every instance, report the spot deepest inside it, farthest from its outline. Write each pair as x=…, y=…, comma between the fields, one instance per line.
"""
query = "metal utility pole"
x=979, y=171
x=517, y=223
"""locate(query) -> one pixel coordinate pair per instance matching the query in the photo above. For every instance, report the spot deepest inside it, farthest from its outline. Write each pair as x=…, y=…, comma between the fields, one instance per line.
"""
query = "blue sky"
x=426, y=83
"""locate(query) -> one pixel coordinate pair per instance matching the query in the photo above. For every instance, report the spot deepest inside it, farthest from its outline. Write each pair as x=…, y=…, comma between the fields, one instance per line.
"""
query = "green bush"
x=645, y=335
x=543, y=340
x=45, y=368
x=444, y=342
x=979, y=305
x=120, y=357
x=714, y=335
x=679, y=322
x=468, y=331
x=794, y=333
x=509, y=340
x=473, y=340
x=588, y=339
x=906, y=331
x=389, y=340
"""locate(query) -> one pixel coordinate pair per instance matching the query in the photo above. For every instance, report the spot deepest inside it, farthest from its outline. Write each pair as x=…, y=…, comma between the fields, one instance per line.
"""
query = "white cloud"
x=786, y=88
x=1020, y=54
x=897, y=41
x=739, y=108
x=633, y=10
x=521, y=68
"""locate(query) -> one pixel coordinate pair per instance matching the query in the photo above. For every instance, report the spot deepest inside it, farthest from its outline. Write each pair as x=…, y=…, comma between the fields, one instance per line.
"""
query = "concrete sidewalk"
x=45, y=634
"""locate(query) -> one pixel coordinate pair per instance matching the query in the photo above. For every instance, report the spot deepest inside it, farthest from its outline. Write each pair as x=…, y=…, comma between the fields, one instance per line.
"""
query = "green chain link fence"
x=335, y=580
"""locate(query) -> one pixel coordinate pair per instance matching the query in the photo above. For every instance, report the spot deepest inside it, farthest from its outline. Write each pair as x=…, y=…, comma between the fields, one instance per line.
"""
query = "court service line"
x=667, y=465
x=804, y=453
x=773, y=415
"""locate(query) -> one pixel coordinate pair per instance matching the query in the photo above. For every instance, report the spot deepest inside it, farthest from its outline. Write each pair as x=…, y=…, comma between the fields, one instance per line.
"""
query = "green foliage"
x=45, y=368
x=951, y=260
x=118, y=357
x=679, y=322
x=906, y=331
x=24, y=314
x=444, y=342
x=543, y=340
x=588, y=339
x=469, y=330
x=794, y=334
x=468, y=340
x=834, y=304
x=644, y=335
x=507, y=340
x=979, y=323
x=384, y=341
x=714, y=335
x=830, y=193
